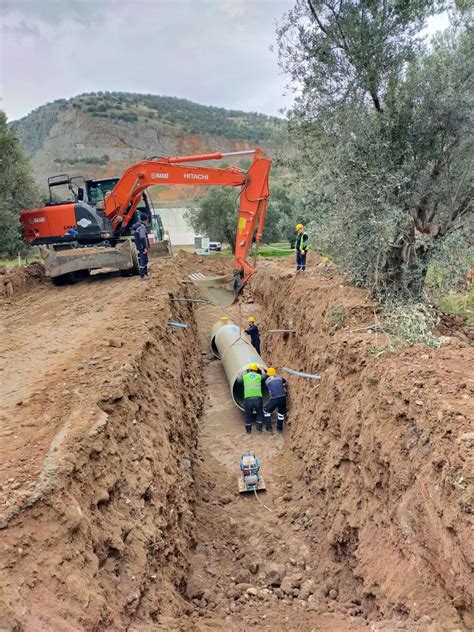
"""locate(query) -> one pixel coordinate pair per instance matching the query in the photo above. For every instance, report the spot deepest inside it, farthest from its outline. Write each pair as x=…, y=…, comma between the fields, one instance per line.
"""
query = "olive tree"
x=17, y=189
x=384, y=128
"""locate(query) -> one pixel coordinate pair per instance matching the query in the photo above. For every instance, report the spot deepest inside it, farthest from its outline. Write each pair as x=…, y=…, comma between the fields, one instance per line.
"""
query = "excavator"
x=93, y=232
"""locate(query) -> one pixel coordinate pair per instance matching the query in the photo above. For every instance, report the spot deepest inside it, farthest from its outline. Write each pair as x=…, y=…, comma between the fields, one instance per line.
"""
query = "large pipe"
x=233, y=347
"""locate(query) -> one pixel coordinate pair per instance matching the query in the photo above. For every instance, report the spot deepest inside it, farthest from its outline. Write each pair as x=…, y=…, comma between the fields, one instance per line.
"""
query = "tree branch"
x=338, y=26
x=315, y=16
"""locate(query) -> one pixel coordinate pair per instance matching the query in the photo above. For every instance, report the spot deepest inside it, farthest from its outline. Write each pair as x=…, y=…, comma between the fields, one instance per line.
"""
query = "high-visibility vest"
x=252, y=384
x=302, y=247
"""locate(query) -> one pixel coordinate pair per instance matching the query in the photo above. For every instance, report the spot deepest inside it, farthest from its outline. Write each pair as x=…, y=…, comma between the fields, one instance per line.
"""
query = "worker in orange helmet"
x=276, y=385
x=301, y=246
x=252, y=331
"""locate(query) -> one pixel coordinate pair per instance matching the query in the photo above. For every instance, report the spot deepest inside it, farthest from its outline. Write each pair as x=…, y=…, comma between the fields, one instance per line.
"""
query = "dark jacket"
x=254, y=334
x=276, y=386
x=302, y=242
x=140, y=233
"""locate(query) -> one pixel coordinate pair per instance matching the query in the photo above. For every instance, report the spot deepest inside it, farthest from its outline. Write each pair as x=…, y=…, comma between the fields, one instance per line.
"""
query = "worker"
x=139, y=230
x=301, y=246
x=252, y=331
x=253, y=400
x=276, y=385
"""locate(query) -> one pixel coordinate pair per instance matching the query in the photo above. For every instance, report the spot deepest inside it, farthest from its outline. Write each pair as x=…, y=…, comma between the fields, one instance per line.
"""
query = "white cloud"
x=214, y=52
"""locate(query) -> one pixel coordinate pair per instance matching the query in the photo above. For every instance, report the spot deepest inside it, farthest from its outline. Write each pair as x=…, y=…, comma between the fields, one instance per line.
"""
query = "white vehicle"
x=215, y=245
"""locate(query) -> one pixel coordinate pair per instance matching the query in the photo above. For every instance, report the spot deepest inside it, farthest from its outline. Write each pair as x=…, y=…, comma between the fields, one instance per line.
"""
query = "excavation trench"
x=363, y=524
x=135, y=522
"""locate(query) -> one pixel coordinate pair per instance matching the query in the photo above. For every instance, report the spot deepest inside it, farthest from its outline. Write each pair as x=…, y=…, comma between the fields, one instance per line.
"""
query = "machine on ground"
x=250, y=479
x=91, y=230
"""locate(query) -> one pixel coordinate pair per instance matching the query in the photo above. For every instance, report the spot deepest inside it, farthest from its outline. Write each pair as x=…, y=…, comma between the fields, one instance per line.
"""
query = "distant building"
x=180, y=232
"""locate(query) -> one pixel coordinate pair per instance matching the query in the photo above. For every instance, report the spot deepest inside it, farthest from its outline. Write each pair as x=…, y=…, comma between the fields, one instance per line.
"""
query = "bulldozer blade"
x=160, y=249
x=220, y=290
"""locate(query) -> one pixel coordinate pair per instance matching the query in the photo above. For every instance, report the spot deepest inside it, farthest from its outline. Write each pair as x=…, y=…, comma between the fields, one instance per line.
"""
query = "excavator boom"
x=77, y=229
x=120, y=206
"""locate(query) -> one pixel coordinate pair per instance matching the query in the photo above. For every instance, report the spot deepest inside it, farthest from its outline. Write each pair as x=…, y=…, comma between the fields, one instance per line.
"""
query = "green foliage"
x=275, y=250
x=451, y=261
x=17, y=190
x=283, y=213
x=384, y=129
x=340, y=49
x=459, y=305
x=88, y=160
x=191, y=117
x=410, y=324
x=337, y=315
x=216, y=216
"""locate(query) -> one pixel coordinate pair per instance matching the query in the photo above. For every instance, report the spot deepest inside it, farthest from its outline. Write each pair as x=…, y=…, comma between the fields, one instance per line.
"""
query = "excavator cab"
x=160, y=244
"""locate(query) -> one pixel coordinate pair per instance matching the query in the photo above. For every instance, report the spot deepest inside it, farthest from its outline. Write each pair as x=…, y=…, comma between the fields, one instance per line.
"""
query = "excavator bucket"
x=160, y=249
x=220, y=290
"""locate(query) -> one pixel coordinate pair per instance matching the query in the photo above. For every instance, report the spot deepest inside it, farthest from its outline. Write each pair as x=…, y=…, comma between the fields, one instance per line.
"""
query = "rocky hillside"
x=101, y=134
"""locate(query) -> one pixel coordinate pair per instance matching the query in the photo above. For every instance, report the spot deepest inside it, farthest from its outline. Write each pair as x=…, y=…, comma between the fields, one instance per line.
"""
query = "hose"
x=260, y=502
x=300, y=374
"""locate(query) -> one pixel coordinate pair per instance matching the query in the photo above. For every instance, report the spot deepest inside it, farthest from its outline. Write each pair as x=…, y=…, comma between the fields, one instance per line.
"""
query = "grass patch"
x=459, y=304
x=23, y=262
x=337, y=316
x=274, y=251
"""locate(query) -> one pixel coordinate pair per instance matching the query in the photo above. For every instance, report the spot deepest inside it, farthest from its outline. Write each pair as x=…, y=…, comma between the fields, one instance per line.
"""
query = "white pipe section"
x=233, y=347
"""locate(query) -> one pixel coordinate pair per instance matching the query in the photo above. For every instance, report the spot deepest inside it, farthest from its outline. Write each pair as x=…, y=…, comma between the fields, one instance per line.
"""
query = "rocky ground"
x=120, y=451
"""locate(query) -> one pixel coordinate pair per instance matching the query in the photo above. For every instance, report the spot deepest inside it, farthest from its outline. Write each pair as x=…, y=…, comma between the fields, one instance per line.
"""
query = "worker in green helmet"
x=252, y=380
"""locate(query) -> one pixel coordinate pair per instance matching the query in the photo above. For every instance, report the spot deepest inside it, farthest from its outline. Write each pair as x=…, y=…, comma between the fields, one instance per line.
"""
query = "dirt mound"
x=98, y=427
x=456, y=326
x=15, y=280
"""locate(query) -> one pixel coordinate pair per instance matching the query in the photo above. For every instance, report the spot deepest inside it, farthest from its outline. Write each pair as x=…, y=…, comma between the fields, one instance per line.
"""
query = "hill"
x=102, y=133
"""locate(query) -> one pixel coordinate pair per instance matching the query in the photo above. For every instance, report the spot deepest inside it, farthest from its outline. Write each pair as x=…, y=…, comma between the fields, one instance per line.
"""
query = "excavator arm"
x=121, y=202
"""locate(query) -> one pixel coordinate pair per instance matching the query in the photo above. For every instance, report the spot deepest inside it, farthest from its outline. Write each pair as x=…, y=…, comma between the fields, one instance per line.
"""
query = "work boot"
x=259, y=426
x=280, y=422
x=268, y=420
x=248, y=429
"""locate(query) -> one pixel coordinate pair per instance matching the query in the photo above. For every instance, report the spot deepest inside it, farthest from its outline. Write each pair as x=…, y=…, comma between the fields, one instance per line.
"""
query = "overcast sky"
x=215, y=52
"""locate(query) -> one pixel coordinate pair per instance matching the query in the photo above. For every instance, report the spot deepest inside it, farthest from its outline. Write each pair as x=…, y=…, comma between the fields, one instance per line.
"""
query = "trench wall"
x=381, y=447
x=105, y=543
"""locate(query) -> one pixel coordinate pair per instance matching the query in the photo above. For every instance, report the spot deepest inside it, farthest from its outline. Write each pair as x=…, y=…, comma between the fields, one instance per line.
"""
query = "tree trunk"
x=230, y=238
x=405, y=268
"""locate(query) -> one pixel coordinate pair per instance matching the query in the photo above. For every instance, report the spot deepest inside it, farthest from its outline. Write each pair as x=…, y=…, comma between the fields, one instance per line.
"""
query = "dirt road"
x=55, y=354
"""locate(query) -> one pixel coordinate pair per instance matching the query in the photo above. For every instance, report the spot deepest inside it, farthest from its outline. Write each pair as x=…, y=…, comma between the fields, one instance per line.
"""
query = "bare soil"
x=120, y=450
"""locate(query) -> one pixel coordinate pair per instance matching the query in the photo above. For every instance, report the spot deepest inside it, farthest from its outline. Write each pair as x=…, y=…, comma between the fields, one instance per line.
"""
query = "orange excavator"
x=78, y=236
